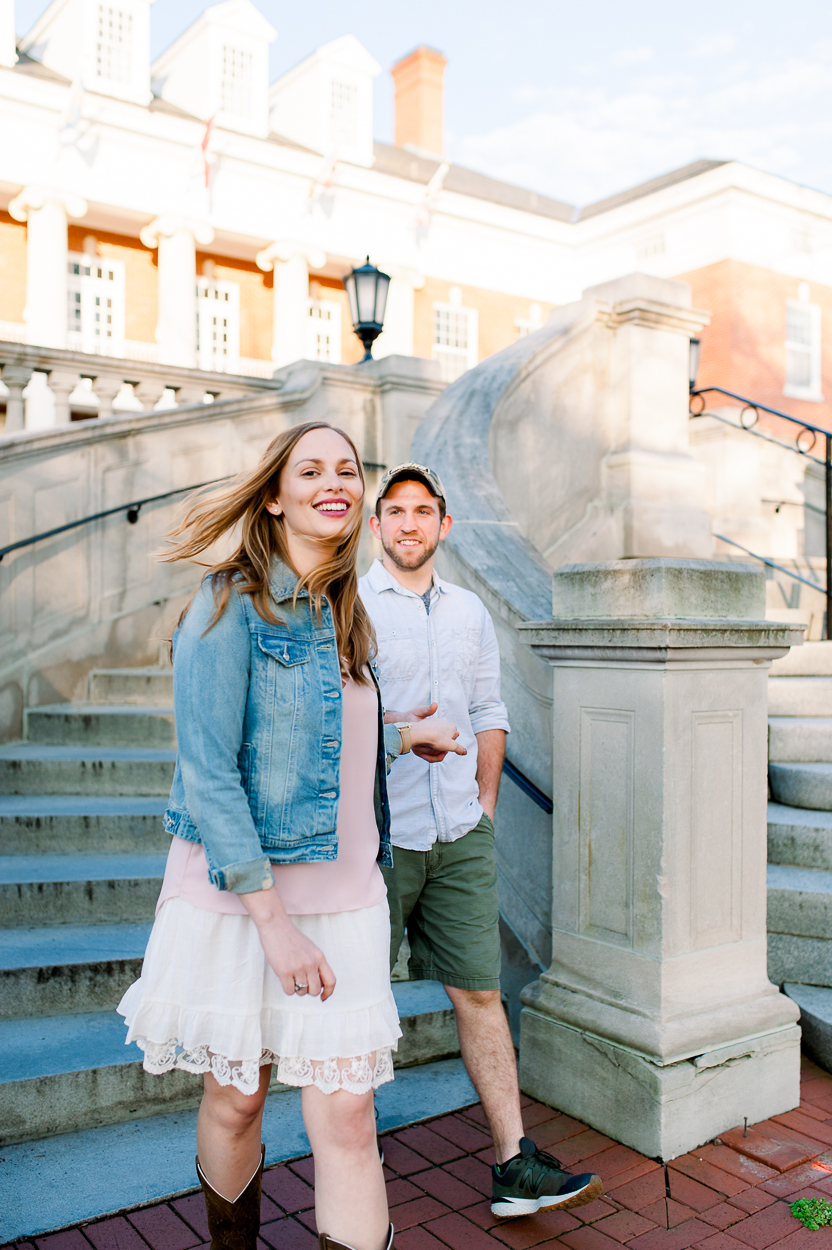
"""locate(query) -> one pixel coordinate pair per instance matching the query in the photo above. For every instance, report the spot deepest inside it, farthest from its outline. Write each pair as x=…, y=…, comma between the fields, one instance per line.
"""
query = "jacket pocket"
x=287, y=651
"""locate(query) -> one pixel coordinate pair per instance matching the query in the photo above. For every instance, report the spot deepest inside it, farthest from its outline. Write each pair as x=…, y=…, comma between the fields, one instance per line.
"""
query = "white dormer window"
x=237, y=71
x=803, y=350
x=344, y=114
x=114, y=44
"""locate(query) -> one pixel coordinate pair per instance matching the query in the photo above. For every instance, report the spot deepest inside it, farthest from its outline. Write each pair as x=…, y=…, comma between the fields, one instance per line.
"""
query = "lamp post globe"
x=366, y=288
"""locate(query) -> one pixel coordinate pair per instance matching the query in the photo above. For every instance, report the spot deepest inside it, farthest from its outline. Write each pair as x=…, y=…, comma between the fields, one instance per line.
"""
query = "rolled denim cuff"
x=244, y=877
x=392, y=744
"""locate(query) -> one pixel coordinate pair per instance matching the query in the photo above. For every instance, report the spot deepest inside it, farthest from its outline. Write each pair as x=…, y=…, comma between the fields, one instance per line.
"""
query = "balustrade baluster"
x=16, y=378
x=62, y=383
x=106, y=387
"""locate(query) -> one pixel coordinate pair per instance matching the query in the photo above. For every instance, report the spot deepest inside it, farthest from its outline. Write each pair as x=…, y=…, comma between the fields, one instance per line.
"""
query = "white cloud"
x=581, y=145
x=632, y=56
x=713, y=45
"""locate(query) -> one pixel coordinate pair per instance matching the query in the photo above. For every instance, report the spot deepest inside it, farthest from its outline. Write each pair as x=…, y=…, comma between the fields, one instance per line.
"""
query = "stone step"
x=137, y=686
x=95, y=725
x=813, y=659
x=801, y=785
x=78, y=889
x=815, y=1003
x=799, y=836
x=30, y=768
x=794, y=958
x=800, y=902
x=56, y=970
x=63, y=1073
x=800, y=739
x=800, y=696
x=75, y=1177
x=73, y=824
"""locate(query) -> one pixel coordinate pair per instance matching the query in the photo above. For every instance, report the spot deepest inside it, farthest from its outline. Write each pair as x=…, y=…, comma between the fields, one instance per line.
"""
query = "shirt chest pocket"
x=397, y=658
x=466, y=651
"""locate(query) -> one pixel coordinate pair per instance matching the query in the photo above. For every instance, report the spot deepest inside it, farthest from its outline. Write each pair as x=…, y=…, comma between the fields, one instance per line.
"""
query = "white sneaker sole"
x=510, y=1208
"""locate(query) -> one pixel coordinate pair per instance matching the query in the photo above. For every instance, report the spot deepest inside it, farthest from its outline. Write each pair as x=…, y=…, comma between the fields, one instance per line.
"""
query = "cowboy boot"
x=234, y=1225
x=329, y=1243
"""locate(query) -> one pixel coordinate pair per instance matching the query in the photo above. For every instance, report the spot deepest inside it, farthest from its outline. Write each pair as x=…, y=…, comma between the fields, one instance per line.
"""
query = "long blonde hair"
x=263, y=538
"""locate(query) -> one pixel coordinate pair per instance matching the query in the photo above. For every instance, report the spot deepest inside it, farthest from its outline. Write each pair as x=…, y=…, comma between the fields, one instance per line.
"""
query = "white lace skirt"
x=207, y=1001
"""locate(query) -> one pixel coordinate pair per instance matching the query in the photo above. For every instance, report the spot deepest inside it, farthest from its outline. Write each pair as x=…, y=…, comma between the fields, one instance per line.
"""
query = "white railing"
x=46, y=386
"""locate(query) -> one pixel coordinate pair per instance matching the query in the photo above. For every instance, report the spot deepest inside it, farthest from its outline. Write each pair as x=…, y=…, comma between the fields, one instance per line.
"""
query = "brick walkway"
x=732, y=1194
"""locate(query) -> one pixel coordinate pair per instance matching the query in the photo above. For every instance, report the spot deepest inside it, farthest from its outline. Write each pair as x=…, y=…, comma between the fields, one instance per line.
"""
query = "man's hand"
x=491, y=750
x=415, y=713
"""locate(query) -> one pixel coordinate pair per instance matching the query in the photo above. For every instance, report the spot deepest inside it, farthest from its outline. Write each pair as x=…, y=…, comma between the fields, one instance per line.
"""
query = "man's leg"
x=488, y=1055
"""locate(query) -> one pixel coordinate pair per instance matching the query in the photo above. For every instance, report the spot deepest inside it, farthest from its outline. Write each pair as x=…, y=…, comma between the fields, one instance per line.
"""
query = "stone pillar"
x=62, y=382
x=291, y=263
x=656, y=1022
x=176, y=239
x=16, y=379
x=45, y=211
x=649, y=473
x=397, y=336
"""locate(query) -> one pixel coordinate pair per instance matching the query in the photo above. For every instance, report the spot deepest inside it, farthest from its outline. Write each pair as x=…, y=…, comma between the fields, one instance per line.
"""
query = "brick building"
x=189, y=212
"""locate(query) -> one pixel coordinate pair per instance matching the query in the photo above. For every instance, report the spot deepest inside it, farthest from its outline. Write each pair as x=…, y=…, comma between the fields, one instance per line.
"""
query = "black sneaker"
x=535, y=1181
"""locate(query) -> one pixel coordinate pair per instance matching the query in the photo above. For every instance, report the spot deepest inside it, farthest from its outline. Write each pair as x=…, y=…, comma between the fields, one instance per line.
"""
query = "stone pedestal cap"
x=659, y=589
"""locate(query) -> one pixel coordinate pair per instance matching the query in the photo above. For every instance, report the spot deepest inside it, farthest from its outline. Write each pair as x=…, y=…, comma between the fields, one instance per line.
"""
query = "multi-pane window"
x=113, y=45
x=95, y=318
x=344, y=113
x=218, y=325
x=236, y=80
x=803, y=350
x=323, y=331
x=454, y=339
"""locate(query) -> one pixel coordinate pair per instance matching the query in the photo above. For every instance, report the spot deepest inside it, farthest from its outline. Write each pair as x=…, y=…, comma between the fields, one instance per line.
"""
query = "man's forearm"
x=491, y=749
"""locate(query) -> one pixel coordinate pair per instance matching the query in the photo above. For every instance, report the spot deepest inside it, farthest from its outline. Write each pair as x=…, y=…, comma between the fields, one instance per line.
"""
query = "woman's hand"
x=432, y=738
x=294, y=959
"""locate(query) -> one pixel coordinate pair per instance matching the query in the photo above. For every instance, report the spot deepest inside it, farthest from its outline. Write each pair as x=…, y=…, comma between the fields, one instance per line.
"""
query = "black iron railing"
x=527, y=786
x=132, y=509
x=805, y=442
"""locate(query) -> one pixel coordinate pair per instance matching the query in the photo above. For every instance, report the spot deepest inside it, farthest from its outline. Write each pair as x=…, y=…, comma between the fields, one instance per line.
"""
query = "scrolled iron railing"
x=805, y=441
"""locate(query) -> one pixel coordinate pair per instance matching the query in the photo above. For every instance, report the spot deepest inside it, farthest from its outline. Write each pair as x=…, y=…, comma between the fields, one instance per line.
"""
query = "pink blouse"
x=351, y=881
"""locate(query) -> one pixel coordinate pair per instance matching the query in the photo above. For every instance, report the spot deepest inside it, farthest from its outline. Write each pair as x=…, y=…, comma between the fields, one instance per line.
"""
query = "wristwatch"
x=406, y=737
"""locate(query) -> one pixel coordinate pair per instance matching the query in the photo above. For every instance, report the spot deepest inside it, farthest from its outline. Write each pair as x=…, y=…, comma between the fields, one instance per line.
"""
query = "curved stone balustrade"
x=96, y=386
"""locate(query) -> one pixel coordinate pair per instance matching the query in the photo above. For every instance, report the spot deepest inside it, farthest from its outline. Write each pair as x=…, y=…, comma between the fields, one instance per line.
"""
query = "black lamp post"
x=693, y=361
x=366, y=288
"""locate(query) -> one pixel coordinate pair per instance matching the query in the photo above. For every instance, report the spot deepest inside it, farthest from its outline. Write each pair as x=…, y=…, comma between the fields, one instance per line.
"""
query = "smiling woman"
x=273, y=901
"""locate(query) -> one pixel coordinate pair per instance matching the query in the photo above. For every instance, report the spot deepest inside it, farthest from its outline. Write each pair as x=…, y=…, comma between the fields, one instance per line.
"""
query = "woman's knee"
x=350, y=1122
x=233, y=1111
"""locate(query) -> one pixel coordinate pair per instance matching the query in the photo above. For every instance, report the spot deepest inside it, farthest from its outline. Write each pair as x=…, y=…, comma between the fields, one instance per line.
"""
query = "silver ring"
x=301, y=989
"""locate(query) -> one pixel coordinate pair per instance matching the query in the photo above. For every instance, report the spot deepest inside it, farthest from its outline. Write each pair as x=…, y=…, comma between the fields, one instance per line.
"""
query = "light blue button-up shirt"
x=448, y=655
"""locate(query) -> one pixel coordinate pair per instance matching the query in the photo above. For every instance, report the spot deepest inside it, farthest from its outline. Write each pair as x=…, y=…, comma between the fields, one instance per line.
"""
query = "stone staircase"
x=800, y=838
x=82, y=855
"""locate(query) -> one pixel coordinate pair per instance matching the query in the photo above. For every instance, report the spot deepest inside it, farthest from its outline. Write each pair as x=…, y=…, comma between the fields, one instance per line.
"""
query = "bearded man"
x=437, y=650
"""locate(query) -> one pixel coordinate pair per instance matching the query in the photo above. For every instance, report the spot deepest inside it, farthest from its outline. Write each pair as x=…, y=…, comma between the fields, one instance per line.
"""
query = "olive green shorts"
x=446, y=899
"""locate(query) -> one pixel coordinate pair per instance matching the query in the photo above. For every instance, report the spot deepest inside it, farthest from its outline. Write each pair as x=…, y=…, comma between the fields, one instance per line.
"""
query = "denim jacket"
x=258, y=719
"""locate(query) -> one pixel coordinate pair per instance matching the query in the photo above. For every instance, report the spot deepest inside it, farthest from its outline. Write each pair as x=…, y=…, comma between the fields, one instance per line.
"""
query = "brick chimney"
x=418, y=81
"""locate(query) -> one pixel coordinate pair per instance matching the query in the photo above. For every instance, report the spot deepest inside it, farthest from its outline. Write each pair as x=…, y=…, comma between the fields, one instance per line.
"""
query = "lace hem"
x=358, y=1074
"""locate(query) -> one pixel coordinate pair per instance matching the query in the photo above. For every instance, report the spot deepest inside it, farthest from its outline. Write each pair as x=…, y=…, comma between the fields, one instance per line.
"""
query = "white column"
x=397, y=337
x=45, y=211
x=291, y=263
x=176, y=239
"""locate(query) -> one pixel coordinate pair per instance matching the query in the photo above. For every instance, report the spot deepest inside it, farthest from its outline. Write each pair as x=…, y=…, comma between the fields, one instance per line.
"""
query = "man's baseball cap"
x=412, y=472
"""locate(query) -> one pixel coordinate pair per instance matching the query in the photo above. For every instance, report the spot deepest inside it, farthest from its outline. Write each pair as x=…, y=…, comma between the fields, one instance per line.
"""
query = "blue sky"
x=583, y=98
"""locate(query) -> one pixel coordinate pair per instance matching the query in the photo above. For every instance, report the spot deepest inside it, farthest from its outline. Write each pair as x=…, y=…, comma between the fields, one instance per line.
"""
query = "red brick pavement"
x=732, y=1194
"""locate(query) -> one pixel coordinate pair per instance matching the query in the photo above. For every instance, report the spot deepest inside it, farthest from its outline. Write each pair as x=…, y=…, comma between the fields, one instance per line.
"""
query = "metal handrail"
x=771, y=564
x=750, y=406
x=132, y=510
x=528, y=787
